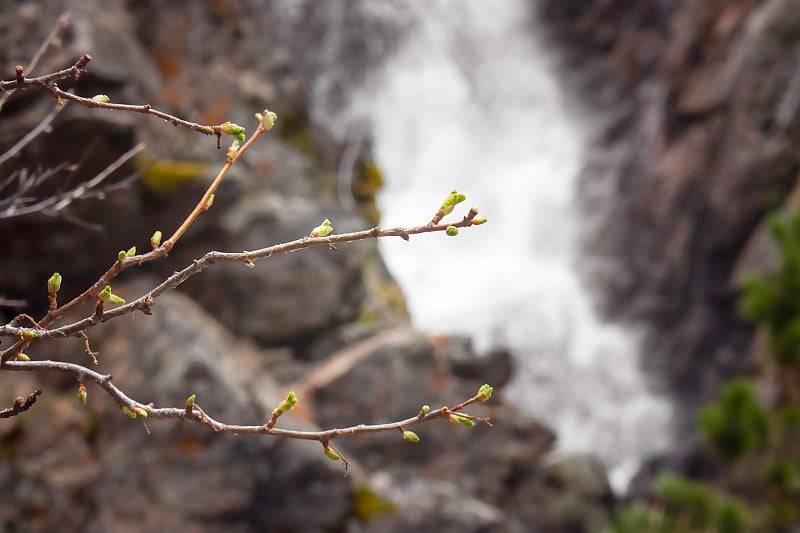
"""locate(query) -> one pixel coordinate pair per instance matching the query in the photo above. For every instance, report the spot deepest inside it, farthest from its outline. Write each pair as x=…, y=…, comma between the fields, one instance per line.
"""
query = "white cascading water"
x=470, y=102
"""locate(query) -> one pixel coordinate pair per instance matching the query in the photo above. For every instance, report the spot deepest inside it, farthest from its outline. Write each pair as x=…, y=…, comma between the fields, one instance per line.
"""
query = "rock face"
x=697, y=106
x=240, y=337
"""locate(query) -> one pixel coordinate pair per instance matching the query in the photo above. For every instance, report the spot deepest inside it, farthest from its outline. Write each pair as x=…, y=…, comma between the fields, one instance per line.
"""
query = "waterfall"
x=469, y=101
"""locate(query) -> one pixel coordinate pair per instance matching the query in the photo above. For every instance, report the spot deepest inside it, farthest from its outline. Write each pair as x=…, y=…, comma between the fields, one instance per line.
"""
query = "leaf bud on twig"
x=410, y=436
x=288, y=403
x=190, y=400
x=127, y=410
x=155, y=240
x=82, y=394
x=131, y=251
x=331, y=454
x=29, y=334
x=234, y=147
x=107, y=296
x=425, y=409
x=323, y=230
x=234, y=130
x=464, y=421
x=22, y=357
x=54, y=284
x=451, y=231
x=484, y=393
x=267, y=120
x=140, y=412
x=479, y=220
x=102, y=98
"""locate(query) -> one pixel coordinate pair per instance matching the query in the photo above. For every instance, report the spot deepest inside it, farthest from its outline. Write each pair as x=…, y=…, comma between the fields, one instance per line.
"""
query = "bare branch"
x=193, y=413
x=55, y=203
x=31, y=135
x=52, y=38
x=146, y=302
x=21, y=404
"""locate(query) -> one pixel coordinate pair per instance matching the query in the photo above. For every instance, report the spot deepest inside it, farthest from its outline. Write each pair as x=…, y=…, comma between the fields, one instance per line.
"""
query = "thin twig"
x=21, y=404
x=195, y=414
x=31, y=135
x=61, y=201
x=61, y=23
x=206, y=261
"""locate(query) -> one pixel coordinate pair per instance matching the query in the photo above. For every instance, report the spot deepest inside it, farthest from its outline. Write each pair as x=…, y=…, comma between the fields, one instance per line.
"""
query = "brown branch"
x=146, y=109
x=201, y=264
x=194, y=413
x=31, y=135
x=21, y=404
x=48, y=83
x=61, y=23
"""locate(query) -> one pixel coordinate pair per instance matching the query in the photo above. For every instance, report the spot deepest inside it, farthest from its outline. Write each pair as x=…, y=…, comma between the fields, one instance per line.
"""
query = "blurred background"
x=634, y=298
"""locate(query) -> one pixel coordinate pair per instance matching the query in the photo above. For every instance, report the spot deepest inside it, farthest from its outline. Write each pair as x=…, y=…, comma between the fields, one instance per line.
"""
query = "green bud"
x=477, y=221
x=82, y=395
x=323, y=230
x=210, y=201
x=331, y=454
x=234, y=130
x=107, y=296
x=259, y=117
x=155, y=240
x=484, y=393
x=140, y=412
x=101, y=98
x=122, y=255
x=190, y=400
x=127, y=411
x=234, y=147
x=410, y=436
x=453, y=199
x=54, y=283
x=287, y=403
x=29, y=334
x=451, y=231
x=22, y=357
x=425, y=409
x=131, y=251
x=268, y=120
x=462, y=420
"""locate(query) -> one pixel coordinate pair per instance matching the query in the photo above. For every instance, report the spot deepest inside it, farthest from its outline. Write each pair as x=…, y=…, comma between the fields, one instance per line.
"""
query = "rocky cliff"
x=696, y=106
x=328, y=323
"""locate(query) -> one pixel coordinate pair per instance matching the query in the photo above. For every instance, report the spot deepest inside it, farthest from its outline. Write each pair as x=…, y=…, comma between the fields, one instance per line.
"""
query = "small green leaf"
x=287, y=403
x=331, y=454
x=464, y=421
x=323, y=230
x=234, y=130
x=410, y=436
x=54, y=283
x=155, y=240
x=484, y=393
x=190, y=400
x=107, y=296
